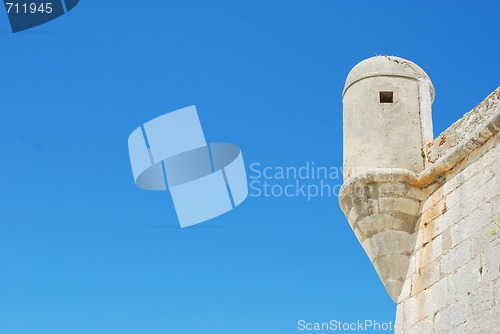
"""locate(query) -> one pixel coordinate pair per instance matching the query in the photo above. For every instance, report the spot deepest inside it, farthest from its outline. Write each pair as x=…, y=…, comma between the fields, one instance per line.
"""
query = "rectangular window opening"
x=385, y=97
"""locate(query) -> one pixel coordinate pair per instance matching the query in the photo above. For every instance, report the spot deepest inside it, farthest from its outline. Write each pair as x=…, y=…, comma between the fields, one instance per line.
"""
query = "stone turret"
x=426, y=211
x=387, y=128
x=387, y=115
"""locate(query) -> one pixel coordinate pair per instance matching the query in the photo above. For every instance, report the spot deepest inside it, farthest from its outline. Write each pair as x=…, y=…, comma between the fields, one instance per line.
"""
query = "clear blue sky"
x=82, y=250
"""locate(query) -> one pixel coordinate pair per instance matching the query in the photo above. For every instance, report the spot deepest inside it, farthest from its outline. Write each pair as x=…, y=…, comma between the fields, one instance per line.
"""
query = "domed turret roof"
x=386, y=66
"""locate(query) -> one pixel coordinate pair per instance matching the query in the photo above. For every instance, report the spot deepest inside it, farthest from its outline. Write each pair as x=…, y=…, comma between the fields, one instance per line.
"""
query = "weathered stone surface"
x=378, y=135
x=452, y=316
x=465, y=280
x=424, y=209
x=455, y=258
x=497, y=291
x=385, y=226
x=426, y=276
x=483, y=298
x=491, y=264
x=485, y=115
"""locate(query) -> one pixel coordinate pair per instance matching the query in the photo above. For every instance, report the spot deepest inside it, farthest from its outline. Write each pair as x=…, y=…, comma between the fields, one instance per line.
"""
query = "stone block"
x=446, y=235
x=389, y=189
x=438, y=209
x=430, y=229
x=477, y=219
x=452, y=183
x=428, y=252
x=455, y=214
x=400, y=318
x=433, y=199
x=426, y=276
x=465, y=280
x=451, y=317
x=497, y=291
x=399, y=204
x=486, y=322
x=455, y=258
x=413, y=312
x=491, y=264
x=483, y=298
x=406, y=290
x=487, y=192
x=495, y=204
x=483, y=240
x=387, y=242
x=436, y=297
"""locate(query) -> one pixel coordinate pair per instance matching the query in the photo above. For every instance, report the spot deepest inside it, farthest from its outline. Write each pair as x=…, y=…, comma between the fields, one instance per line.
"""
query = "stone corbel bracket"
x=382, y=207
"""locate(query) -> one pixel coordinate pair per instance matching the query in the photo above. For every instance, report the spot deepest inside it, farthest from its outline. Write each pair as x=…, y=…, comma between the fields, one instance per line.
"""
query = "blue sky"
x=82, y=250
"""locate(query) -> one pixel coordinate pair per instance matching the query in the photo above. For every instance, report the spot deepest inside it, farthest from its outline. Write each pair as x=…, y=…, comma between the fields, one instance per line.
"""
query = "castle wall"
x=452, y=284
